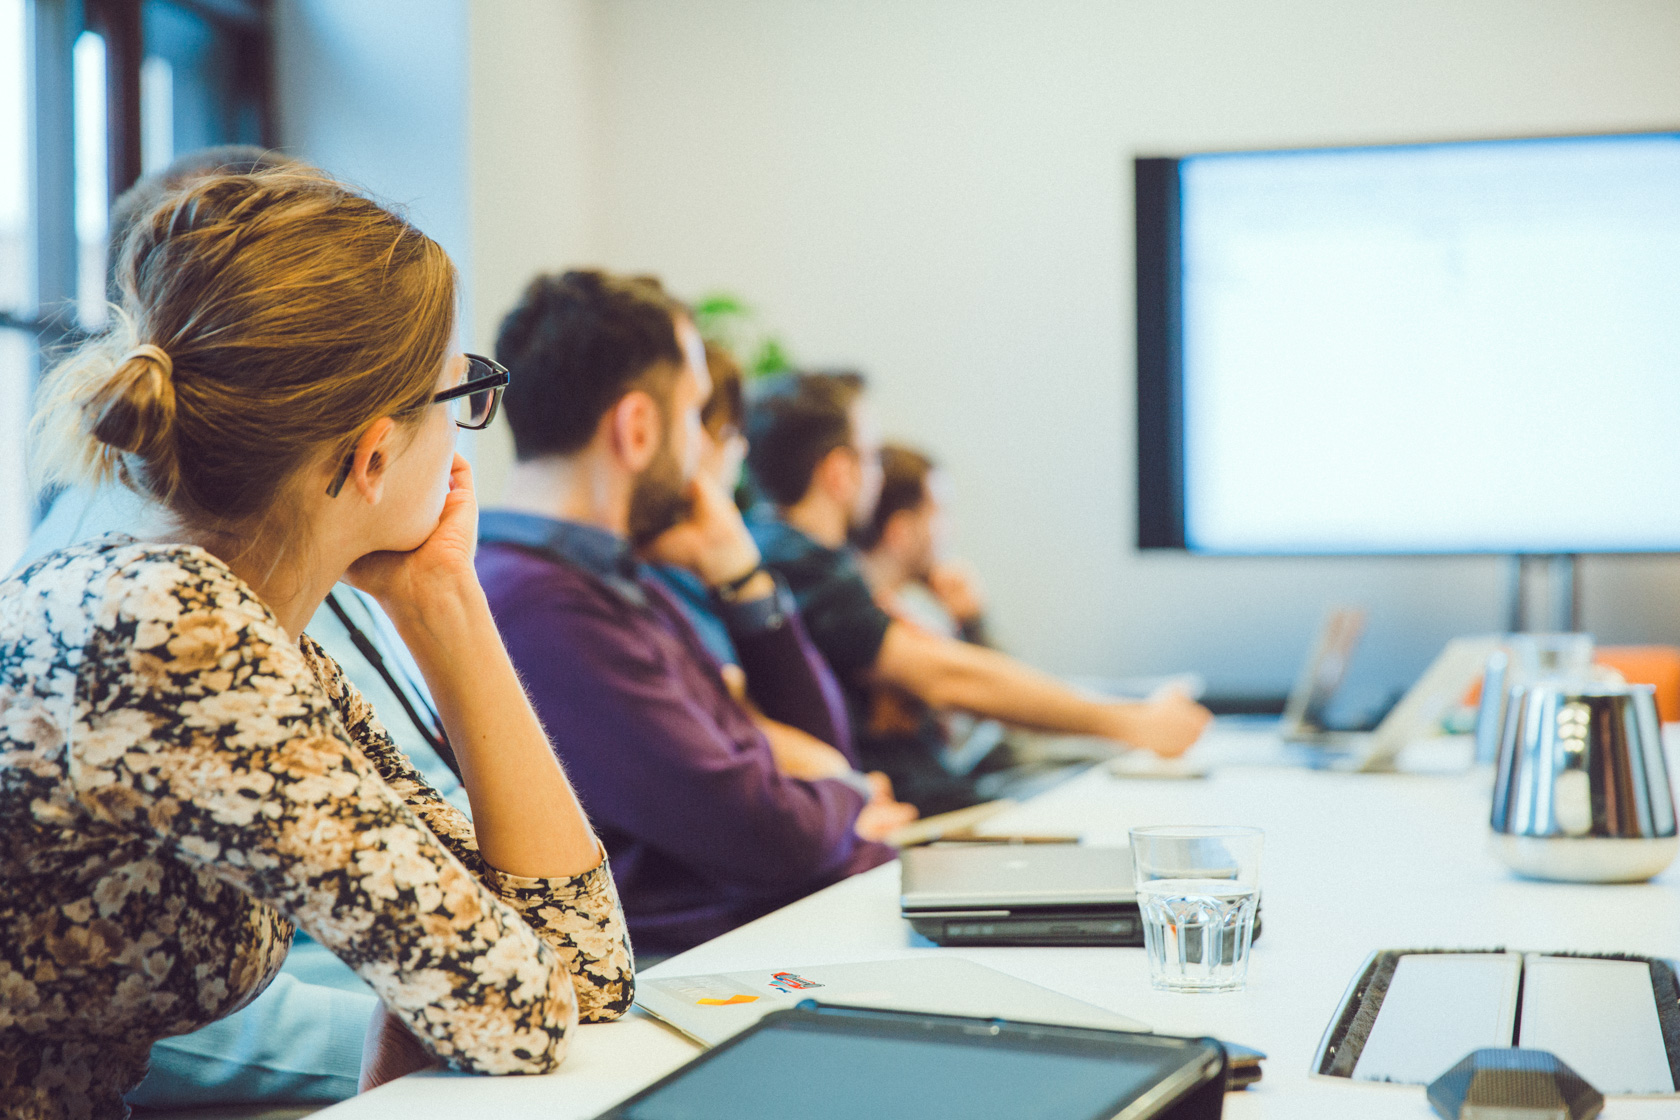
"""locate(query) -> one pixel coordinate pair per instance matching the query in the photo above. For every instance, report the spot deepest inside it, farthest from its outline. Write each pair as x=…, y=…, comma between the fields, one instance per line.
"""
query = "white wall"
x=938, y=191
x=376, y=93
x=534, y=154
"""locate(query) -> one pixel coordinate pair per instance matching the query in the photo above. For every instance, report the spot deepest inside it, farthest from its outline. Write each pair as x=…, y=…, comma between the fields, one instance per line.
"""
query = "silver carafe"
x=1581, y=789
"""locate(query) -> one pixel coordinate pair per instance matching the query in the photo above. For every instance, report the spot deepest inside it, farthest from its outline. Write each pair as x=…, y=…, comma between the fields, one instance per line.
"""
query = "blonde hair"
x=266, y=320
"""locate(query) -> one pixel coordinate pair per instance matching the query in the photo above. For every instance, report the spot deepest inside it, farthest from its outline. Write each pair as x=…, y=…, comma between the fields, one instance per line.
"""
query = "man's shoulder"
x=800, y=560
x=835, y=603
x=523, y=583
x=776, y=539
x=503, y=562
x=551, y=613
x=681, y=582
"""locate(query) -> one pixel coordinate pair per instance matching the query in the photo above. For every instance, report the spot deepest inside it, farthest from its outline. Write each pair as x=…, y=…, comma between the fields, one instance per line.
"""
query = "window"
x=93, y=177
x=94, y=94
x=17, y=279
x=201, y=78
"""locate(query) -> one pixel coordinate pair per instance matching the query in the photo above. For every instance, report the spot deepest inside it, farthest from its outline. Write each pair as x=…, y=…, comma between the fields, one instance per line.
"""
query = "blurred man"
x=721, y=454
x=798, y=753
x=902, y=550
x=704, y=830
x=813, y=452
x=943, y=757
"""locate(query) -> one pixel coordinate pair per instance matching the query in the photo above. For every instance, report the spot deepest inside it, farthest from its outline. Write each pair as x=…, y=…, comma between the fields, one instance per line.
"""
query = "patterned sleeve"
x=203, y=727
x=581, y=917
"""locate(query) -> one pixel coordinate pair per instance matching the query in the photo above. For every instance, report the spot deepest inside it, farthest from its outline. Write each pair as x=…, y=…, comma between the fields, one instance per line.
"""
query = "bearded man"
x=703, y=829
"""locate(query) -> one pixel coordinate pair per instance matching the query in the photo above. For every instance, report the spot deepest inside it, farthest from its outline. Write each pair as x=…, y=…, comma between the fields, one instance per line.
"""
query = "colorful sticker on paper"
x=788, y=982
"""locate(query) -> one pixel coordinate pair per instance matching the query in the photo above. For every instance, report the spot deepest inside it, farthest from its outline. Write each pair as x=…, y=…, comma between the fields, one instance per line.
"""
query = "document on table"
x=1599, y=1016
x=1439, y=1007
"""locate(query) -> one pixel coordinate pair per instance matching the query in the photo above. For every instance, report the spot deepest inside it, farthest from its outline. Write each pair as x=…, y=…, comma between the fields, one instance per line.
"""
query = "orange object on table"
x=1658, y=666
x=1653, y=665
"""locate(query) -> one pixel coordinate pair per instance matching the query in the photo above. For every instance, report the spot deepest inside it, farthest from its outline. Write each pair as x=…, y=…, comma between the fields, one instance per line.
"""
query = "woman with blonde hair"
x=184, y=775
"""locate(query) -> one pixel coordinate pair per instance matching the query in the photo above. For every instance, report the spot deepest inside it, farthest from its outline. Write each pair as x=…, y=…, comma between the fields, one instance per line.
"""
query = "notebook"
x=1600, y=1017
x=712, y=1008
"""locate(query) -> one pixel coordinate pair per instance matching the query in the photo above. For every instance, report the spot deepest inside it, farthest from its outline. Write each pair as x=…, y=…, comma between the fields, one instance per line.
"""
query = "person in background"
x=813, y=452
x=721, y=453
x=798, y=753
x=184, y=775
x=902, y=550
x=945, y=758
x=705, y=830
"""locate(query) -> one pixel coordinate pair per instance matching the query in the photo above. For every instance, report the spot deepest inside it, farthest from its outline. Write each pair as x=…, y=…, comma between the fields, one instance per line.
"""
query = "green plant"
x=730, y=322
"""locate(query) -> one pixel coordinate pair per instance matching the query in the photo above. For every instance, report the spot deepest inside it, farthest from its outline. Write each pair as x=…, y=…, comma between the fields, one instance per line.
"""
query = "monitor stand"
x=1545, y=594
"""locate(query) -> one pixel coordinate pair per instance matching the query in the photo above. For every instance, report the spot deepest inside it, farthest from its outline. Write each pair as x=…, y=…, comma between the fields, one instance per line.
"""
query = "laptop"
x=1322, y=674
x=1022, y=894
x=712, y=1009
x=1418, y=714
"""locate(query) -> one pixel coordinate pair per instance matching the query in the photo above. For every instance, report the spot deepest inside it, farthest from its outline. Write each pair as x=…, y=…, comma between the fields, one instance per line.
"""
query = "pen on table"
x=985, y=838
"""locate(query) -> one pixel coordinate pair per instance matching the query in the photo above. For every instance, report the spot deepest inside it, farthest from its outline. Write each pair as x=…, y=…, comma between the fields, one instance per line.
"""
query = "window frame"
x=244, y=22
x=51, y=28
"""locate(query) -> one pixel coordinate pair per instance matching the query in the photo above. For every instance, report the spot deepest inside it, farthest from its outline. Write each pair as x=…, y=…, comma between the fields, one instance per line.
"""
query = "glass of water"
x=1197, y=888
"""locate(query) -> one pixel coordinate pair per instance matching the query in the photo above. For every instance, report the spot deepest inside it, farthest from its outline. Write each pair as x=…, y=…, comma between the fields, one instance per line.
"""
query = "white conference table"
x=1353, y=863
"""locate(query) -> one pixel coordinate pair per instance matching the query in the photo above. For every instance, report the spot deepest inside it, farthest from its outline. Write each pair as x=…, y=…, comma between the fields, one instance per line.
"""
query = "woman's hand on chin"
x=440, y=569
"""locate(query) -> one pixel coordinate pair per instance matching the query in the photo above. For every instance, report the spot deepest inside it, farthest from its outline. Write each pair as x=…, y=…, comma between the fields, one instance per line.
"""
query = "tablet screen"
x=802, y=1071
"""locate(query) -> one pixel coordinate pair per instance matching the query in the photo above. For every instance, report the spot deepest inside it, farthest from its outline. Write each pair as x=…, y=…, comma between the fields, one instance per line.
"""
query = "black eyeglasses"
x=472, y=404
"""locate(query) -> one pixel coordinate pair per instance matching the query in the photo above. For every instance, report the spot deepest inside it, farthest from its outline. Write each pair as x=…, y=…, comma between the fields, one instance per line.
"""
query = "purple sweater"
x=703, y=831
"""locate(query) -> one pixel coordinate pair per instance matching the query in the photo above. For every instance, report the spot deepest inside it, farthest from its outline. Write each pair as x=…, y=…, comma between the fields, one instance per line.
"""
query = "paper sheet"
x=1598, y=1016
x=1439, y=1007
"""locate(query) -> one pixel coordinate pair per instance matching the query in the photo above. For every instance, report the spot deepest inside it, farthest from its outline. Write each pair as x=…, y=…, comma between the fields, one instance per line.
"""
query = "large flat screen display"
x=1431, y=348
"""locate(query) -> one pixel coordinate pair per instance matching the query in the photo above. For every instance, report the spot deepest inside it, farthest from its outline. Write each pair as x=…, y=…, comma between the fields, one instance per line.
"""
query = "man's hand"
x=1167, y=724
x=390, y=1052
x=799, y=754
x=882, y=816
x=712, y=541
x=957, y=588
x=950, y=674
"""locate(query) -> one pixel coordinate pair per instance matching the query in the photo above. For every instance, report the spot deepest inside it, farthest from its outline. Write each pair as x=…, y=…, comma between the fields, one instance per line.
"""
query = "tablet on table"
x=818, y=1062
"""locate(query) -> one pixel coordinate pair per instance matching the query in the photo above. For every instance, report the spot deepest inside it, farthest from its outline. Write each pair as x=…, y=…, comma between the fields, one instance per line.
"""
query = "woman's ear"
x=637, y=430
x=370, y=458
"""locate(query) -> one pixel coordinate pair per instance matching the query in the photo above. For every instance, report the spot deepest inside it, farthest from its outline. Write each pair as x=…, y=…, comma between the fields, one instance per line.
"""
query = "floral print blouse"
x=180, y=783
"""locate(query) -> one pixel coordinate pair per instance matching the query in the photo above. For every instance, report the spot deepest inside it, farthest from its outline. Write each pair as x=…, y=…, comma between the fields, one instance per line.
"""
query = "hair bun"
x=134, y=411
x=146, y=352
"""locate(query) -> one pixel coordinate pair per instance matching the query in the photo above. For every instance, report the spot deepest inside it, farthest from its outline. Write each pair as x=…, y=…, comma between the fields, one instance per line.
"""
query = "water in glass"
x=1197, y=932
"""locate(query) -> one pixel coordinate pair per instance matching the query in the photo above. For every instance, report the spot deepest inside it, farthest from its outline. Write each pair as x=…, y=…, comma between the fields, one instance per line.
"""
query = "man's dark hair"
x=576, y=343
x=904, y=486
x=793, y=424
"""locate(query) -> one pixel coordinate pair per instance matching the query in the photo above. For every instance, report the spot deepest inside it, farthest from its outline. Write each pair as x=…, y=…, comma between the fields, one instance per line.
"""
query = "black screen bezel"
x=1199, y=1060
x=1159, y=323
